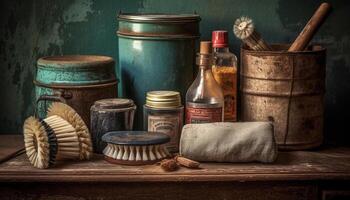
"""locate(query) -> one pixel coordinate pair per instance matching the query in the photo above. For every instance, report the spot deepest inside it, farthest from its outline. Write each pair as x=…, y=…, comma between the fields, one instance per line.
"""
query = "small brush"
x=48, y=140
x=244, y=29
x=40, y=143
x=135, y=147
x=70, y=115
x=67, y=138
x=61, y=135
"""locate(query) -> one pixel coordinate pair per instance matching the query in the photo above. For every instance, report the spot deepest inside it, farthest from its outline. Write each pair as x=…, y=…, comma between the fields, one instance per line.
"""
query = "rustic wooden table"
x=321, y=174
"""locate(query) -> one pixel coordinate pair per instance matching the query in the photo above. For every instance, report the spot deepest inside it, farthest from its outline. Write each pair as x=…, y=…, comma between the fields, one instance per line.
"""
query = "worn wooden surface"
x=9, y=144
x=328, y=164
x=322, y=174
x=167, y=190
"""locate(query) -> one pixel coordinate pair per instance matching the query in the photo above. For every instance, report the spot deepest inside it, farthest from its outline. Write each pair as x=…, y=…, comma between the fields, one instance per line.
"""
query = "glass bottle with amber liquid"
x=204, y=98
x=225, y=73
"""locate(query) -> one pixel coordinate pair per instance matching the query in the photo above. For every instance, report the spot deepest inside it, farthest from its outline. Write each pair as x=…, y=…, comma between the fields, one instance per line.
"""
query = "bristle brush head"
x=36, y=143
x=134, y=155
x=53, y=144
x=70, y=115
x=66, y=136
x=243, y=27
x=135, y=147
x=244, y=30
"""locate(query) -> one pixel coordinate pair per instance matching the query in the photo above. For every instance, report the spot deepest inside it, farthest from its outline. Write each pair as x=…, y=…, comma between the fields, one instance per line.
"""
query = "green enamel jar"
x=78, y=80
x=156, y=52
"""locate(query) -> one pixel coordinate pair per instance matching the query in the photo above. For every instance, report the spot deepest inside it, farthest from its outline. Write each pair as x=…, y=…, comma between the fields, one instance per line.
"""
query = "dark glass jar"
x=110, y=115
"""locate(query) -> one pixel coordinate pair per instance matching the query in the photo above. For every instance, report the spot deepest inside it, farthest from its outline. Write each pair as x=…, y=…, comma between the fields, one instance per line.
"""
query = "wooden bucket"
x=288, y=89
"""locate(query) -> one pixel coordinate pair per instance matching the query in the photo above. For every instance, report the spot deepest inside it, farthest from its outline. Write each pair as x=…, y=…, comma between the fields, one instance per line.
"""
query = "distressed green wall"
x=34, y=28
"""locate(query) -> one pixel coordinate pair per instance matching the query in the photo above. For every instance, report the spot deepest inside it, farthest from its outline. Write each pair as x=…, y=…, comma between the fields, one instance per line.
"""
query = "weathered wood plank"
x=160, y=190
x=327, y=164
x=9, y=144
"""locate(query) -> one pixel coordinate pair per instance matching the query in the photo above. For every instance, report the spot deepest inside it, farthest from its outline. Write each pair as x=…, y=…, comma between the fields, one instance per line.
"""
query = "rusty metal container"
x=288, y=89
x=78, y=80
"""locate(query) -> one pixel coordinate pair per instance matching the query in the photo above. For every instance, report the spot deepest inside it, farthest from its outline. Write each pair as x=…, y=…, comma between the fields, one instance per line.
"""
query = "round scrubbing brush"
x=40, y=143
x=67, y=113
x=244, y=30
x=135, y=147
x=67, y=139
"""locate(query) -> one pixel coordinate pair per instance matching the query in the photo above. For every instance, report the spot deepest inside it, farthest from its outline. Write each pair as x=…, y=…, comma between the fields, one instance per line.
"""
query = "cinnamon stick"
x=187, y=162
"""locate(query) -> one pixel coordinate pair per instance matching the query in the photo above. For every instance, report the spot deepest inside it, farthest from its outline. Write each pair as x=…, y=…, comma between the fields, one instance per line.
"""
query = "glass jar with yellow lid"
x=163, y=112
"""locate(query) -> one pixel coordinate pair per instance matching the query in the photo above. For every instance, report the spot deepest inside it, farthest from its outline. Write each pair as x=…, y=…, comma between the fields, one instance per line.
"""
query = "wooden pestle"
x=311, y=28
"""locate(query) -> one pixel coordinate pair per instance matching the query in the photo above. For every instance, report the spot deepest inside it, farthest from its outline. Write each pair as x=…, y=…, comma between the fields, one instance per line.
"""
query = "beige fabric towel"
x=229, y=142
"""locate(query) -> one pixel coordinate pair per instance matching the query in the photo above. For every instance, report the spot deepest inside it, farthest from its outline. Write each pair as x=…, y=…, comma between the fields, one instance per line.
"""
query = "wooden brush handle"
x=12, y=155
x=311, y=28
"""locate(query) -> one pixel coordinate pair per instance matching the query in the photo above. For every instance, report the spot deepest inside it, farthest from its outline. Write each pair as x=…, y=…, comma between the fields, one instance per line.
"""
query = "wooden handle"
x=12, y=155
x=311, y=28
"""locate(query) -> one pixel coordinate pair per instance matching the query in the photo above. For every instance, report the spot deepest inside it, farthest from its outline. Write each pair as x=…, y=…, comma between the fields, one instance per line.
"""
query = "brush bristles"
x=67, y=139
x=244, y=29
x=36, y=143
x=133, y=153
x=69, y=114
x=138, y=154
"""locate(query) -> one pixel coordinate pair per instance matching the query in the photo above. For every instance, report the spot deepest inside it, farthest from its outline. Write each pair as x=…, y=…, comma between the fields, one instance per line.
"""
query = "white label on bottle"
x=167, y=124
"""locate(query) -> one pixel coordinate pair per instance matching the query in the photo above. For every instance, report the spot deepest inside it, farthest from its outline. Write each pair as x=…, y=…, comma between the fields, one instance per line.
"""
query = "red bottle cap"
x=220, y=39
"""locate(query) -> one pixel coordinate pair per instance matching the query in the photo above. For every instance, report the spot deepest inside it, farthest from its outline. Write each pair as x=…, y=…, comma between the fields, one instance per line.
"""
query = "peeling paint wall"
x=34, y=28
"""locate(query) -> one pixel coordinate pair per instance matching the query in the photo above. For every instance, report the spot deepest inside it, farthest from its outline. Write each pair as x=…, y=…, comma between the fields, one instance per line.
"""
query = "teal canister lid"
x=158, y=26
x=75, y=70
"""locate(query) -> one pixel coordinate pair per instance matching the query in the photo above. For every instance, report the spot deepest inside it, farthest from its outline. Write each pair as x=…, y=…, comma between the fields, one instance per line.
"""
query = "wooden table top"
x=323, y=164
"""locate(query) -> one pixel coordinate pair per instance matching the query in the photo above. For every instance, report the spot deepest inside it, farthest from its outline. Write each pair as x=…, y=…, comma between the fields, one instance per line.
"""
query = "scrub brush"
x=67, y=139
x=135, y=147
x=50, y=139
x=40, y=143
x=244, y=29
x=69, y=114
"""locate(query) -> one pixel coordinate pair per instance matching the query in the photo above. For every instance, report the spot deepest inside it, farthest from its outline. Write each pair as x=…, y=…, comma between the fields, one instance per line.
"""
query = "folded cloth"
x=229, y=142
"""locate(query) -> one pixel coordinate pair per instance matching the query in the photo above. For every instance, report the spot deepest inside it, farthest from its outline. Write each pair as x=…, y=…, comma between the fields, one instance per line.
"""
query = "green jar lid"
x=75, y=70
x=158, y=17
x=158, y=26
x=163, y=99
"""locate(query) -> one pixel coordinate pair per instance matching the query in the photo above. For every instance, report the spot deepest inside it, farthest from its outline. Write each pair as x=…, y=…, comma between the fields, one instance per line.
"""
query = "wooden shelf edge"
x=174, y=177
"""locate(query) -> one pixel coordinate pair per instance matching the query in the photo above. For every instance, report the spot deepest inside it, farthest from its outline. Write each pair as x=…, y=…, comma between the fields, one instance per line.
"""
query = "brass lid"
x=163, y=99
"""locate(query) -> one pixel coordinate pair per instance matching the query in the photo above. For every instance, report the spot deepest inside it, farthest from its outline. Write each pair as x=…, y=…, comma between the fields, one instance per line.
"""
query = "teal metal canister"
x=78, y=80
x=156, y=52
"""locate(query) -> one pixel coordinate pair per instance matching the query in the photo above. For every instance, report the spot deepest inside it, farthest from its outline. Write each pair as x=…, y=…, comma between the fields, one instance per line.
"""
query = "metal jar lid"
x=163, y=99
x=158, y=26
x=152, y=17
x=116, y=103
x=75, y=70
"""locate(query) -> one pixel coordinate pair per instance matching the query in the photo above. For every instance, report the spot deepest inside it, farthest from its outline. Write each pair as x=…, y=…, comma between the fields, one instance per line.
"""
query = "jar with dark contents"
x=163, y=112
x=110, y=115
